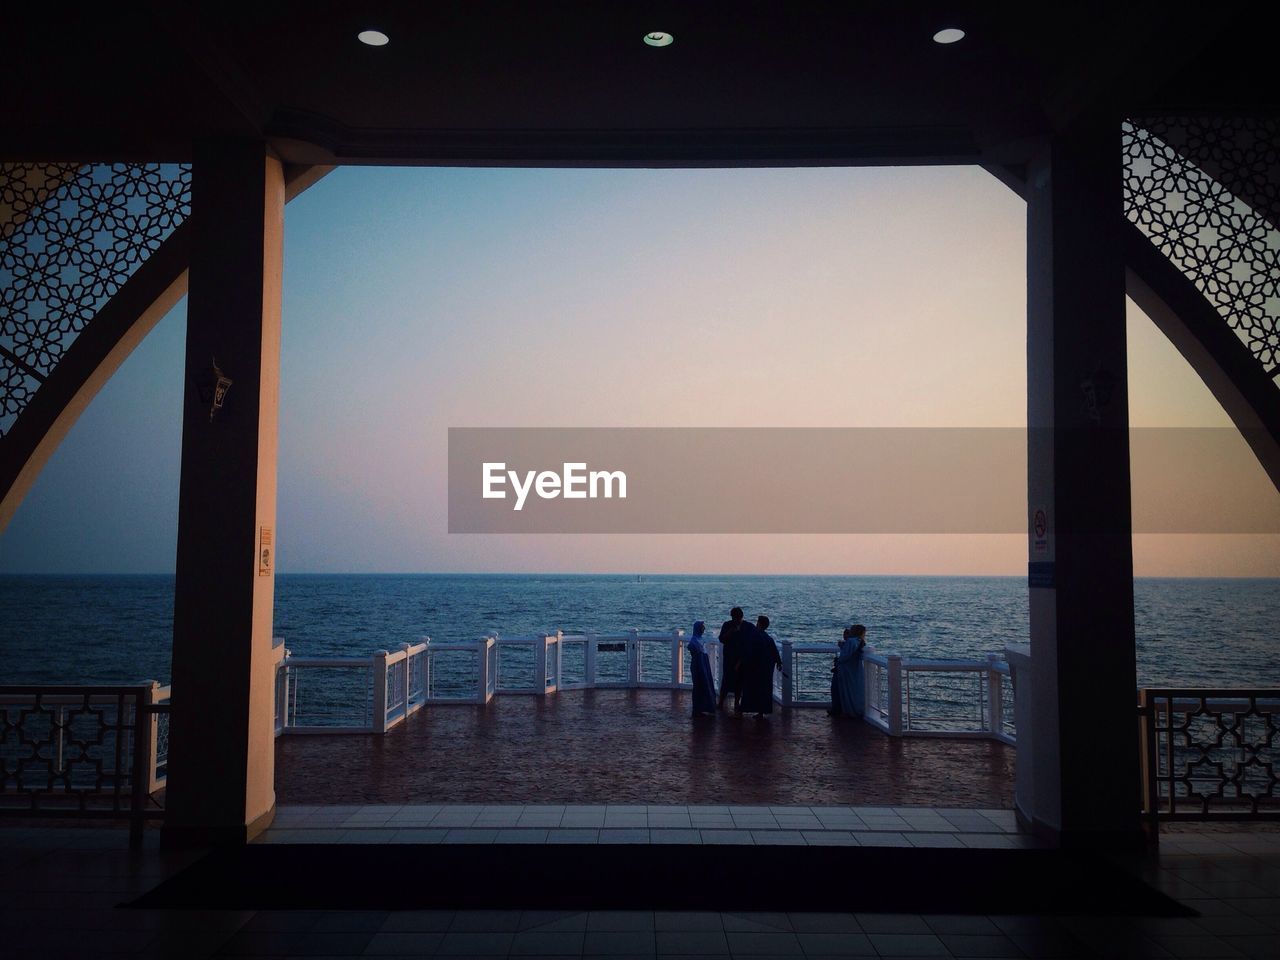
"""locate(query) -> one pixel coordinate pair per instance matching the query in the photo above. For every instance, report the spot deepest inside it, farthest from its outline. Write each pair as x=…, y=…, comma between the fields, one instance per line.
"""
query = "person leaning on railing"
x=848, y=686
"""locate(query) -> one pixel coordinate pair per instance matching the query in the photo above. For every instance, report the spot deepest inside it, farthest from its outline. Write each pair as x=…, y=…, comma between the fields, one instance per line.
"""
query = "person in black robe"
x=731, y=658
x=760, y=658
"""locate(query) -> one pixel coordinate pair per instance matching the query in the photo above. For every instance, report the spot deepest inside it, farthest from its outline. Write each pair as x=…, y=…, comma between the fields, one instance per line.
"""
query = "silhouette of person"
x=760, y=658
x=848, y=678
x=704, y=690
x=731, y=657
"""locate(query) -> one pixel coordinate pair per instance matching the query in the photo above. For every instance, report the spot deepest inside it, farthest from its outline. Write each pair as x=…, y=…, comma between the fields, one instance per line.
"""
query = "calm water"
x=111, y=629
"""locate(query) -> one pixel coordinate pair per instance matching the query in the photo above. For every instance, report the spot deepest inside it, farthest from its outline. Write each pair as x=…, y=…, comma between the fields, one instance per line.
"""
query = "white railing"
x=904, y=696
x=351, y=694
x=918, y=697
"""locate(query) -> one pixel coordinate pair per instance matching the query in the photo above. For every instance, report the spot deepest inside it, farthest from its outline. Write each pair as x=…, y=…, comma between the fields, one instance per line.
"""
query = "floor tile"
x=615, y=942
x=833, y=944
x=690, y=942
x=687, y=920
x=615, y=920
x=908, y=945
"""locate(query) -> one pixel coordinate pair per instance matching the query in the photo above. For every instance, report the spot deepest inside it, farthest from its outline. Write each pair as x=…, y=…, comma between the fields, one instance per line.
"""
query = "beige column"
x=221, y=745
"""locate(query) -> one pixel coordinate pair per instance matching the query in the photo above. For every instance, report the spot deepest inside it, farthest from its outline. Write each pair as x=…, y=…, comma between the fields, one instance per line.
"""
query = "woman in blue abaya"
x=704, y=688
x=848, y=680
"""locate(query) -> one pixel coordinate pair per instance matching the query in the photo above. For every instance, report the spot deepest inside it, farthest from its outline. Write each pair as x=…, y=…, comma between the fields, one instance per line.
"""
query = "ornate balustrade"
x=84, y=751
x=1209, y=754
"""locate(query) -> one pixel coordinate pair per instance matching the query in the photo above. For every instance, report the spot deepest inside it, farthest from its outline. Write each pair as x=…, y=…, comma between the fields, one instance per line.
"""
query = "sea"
x=118, y=629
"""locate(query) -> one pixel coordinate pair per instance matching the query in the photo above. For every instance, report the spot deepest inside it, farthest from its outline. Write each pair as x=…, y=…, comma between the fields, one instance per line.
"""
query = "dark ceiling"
x=574, y=83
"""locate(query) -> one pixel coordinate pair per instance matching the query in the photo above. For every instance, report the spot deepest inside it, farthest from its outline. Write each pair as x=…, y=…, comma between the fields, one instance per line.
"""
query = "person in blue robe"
x=704, y=687
x=848, y=679
x=760, y=658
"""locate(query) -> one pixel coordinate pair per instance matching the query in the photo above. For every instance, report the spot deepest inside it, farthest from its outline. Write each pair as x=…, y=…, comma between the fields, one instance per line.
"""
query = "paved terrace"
x=637, y=747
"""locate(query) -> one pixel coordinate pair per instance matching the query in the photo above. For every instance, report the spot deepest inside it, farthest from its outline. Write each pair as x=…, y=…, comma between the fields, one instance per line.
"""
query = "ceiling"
x=573, y=83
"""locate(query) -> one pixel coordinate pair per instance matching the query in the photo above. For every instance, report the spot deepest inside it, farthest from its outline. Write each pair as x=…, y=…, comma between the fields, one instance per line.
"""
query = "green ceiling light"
x=373, y=38
x=949, y=35
x=657, y=38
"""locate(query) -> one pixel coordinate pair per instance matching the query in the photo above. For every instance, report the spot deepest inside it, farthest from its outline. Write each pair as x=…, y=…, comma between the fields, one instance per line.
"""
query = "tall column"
x=221, y=746
x=1085, y=749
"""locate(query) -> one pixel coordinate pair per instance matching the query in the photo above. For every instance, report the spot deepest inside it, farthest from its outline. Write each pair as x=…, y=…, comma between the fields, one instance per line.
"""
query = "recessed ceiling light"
x=949, y=35
x=658, y=39
x=374, y=38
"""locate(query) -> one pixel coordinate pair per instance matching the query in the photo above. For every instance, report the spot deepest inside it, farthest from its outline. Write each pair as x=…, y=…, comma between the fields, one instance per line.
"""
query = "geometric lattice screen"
x=1226, y=246
x=70, y=236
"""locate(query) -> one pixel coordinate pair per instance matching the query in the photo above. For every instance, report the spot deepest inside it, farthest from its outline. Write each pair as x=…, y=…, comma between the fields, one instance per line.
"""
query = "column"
x=222, y=747
x=1085, y=748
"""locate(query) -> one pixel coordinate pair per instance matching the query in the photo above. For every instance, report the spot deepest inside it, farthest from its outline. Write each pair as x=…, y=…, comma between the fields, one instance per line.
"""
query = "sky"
x=421, y=299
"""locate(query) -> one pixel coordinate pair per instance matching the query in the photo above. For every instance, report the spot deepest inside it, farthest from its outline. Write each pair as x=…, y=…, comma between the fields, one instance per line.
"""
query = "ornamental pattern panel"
x=1211, y=753
x=70, y=236
x=1226, y=246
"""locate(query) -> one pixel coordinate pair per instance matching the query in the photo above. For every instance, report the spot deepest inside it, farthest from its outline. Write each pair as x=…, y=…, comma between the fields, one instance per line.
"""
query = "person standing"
x=848, y=677
x=731, y=658
x=704, y=689
x=760, y=658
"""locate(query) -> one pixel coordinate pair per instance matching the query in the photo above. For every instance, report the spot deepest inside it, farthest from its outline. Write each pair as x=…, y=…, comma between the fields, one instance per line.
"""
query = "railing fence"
x=1209, y=754
x=905, y=697
x=84, y=751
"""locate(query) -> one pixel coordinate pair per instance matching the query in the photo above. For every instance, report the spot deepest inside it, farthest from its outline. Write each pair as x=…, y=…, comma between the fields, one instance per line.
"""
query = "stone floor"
x=637, y=747
x=640, y=823
x=60, y=888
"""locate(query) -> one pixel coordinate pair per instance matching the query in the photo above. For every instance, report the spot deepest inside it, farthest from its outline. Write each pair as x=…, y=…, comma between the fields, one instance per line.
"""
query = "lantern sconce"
x=221, y=384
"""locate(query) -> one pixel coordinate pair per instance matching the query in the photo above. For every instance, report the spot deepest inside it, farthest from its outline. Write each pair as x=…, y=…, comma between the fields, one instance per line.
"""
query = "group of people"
x=750, y=656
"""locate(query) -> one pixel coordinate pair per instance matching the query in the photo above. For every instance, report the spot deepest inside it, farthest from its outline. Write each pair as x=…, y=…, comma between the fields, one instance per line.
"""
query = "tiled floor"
x=640, y=823
x=60, y=888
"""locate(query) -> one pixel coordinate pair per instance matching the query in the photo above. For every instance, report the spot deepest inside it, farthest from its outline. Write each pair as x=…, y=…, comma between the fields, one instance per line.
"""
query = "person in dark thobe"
x=731, y=657
x=760, y=658
x=704, y=688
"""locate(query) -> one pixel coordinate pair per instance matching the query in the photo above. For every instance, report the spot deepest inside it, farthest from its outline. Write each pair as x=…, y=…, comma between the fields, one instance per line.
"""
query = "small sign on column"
x=265, y=551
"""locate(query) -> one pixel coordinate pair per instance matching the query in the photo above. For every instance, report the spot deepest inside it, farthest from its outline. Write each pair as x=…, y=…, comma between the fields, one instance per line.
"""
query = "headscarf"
x=695, y=641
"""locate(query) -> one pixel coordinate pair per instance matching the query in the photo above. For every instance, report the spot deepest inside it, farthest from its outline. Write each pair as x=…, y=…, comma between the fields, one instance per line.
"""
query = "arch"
x=99, y=350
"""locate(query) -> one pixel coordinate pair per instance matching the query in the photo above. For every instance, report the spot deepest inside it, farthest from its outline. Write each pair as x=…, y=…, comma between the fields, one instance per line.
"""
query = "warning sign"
x=1040, y=531
x=265, y=550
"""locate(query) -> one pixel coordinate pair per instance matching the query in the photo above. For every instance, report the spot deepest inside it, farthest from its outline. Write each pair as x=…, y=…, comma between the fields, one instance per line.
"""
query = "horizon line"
x=607, y=573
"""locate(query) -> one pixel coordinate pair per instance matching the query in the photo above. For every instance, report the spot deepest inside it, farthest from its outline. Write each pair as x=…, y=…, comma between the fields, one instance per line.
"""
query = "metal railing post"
x=589, y=670
x=1147, y=748
x=140, y=775
x=540, y=664
x=426, y=670
x=995, y=697
x=153, y=736
x=895, y=694
x=482, y=671
x=633, y=658
x=788, y=673
x=61, y=724
x=380, y=692
x=677, y=659
x=407, y=682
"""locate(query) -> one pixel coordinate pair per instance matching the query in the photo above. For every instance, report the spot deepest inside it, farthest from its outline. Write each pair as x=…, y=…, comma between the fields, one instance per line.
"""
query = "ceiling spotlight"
x=373, y=38
x=658, y=39
x=949, y=35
